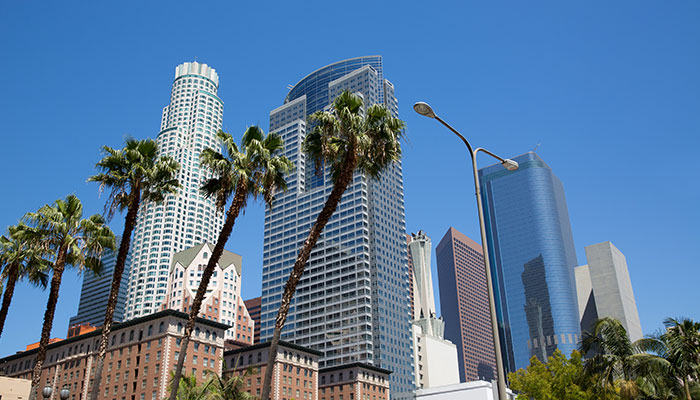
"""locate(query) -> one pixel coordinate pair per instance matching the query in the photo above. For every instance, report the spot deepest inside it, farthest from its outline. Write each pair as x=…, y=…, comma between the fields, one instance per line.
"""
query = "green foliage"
x=215, y=387
x=558, y=379
x=18, y=249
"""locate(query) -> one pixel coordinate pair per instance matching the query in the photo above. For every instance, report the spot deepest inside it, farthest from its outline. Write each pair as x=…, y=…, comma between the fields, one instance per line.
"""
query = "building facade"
x=140, y=355
x=533, y=260
x=94, y=293
x=356, y=381
x=188, y=125
x=604, y=289
x=222, y=301
x=295, y=374
x=253, y=306
x=464, y=303
x=352, y=301
x=434, y=358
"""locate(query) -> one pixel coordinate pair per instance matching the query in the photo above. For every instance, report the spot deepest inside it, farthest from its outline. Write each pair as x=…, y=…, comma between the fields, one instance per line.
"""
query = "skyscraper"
x=604, y=289
x=352, y=301
x=464, y=303
x=188, y=125
x=94, y=293
x=434, y=357
x=532, y=258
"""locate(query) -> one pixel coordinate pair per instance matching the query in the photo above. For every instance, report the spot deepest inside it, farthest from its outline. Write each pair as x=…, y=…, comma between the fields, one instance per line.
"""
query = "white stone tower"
x=188, y=125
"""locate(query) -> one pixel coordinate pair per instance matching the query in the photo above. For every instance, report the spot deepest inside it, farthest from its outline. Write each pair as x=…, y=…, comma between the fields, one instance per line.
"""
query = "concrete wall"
x=14, y=389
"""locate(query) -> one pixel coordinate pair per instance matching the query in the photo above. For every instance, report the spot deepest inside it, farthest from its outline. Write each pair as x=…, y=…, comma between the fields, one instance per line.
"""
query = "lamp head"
x=424, y=109
x=47, y=391
x=65, y=393
x=510, y=164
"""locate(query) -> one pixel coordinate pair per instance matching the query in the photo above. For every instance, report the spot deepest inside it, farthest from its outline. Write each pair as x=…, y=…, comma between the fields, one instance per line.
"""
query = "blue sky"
x=610, y=91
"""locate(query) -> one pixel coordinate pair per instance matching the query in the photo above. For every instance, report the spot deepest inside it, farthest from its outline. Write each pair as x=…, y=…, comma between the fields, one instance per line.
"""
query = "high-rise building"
x=352, y=301
x=188, y=125
x=253, y=306
x=94, y=293
x=464, y=303
x=604, y=289
x=435, y=358
x=222, y=301
x=533, y=259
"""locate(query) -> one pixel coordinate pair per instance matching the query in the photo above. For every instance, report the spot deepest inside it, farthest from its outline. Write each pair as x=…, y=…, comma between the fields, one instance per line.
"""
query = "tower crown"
x=195, y=68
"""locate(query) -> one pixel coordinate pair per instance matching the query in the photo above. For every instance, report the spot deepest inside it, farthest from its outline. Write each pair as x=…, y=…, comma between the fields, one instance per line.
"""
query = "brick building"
x=295, y=375
x=254, y=306
x=357, y=381
x=140, y=355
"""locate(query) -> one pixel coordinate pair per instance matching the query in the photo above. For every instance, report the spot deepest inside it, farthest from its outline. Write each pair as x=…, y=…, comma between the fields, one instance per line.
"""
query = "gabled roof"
x=186, y=257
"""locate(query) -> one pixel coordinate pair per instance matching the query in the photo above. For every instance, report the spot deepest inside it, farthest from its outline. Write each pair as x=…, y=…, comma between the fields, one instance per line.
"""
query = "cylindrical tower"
x=188, y=125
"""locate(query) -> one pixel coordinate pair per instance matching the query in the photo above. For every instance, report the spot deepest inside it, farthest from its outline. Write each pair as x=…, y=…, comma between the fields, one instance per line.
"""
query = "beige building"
x=222, y=301
x=14, y=389
x=140, y=355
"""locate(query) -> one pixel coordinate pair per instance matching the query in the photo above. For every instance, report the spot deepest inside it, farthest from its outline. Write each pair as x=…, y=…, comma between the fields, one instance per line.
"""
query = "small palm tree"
x=135, y=174
x=189, y=388
x=255, y=171
x=18, y=261
x=346, y=141
x=613, y=360
x=229, y=386
x=72, y=240
x=678, y=349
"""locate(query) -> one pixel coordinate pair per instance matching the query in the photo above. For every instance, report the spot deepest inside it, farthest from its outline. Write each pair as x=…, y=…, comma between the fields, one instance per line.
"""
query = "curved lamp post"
x=424, y=109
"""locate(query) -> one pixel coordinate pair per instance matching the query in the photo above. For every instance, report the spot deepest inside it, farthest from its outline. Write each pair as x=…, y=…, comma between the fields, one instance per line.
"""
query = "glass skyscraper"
x=352, y=302
x=94, y=293
x=188, y=125
x=533, y=260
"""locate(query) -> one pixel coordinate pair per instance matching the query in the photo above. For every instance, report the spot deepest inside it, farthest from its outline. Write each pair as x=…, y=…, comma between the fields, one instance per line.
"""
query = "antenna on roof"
x=535, y=148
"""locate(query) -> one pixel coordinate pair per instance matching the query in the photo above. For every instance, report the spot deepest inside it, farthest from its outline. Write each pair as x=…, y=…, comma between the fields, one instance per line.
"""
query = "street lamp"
x=65, y=393
x=424, y=109
x=46, y=392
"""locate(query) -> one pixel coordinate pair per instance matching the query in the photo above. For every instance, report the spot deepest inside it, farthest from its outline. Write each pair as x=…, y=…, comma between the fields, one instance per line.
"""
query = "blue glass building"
x=532, y=260
x=352, y=303
x=94, y=293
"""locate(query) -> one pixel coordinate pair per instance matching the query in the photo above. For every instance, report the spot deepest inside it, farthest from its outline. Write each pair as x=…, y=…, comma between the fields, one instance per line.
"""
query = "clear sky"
x=609, y=90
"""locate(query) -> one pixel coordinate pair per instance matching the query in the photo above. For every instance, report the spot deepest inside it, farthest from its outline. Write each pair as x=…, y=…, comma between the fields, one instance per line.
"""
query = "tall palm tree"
x=678, y=347
x=73, y=241
x=229, y=386
x=19, y=260
x=346, y=141
x=255, y=171
x=135, y=174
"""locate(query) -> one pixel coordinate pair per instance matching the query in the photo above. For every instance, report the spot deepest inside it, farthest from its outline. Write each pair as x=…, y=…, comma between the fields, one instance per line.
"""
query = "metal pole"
x=500, y=372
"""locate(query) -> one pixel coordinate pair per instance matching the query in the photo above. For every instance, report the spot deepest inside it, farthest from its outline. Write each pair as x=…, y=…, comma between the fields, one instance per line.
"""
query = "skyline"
x=521, y=84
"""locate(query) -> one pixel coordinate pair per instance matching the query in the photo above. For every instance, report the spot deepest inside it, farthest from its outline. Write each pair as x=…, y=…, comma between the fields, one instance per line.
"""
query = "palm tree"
x=613, y=360
x=61, y=229
x=135, y=174
x=255, y=171
x=19, y=260
x=346, y=141
x=190, y=389
x=678, y=348
x=229, y=386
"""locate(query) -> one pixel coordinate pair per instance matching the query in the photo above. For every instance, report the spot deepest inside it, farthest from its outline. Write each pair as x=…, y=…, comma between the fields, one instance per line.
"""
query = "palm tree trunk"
x=129, y=225
x=239, y=200
x=686, y=387
x=58, y=268
x=7, y=296
x=290, y=288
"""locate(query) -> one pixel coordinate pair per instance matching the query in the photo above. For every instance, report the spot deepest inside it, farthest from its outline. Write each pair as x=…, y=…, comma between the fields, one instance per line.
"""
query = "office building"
x=188, y=125
x=222, y=301
x=435, y=359
x=533, y=259
x=464, y=303
x=354, y=381
x=253, y=306
x=604, y=289
x=352, y=301
x=140, y=355
x=94, y=293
